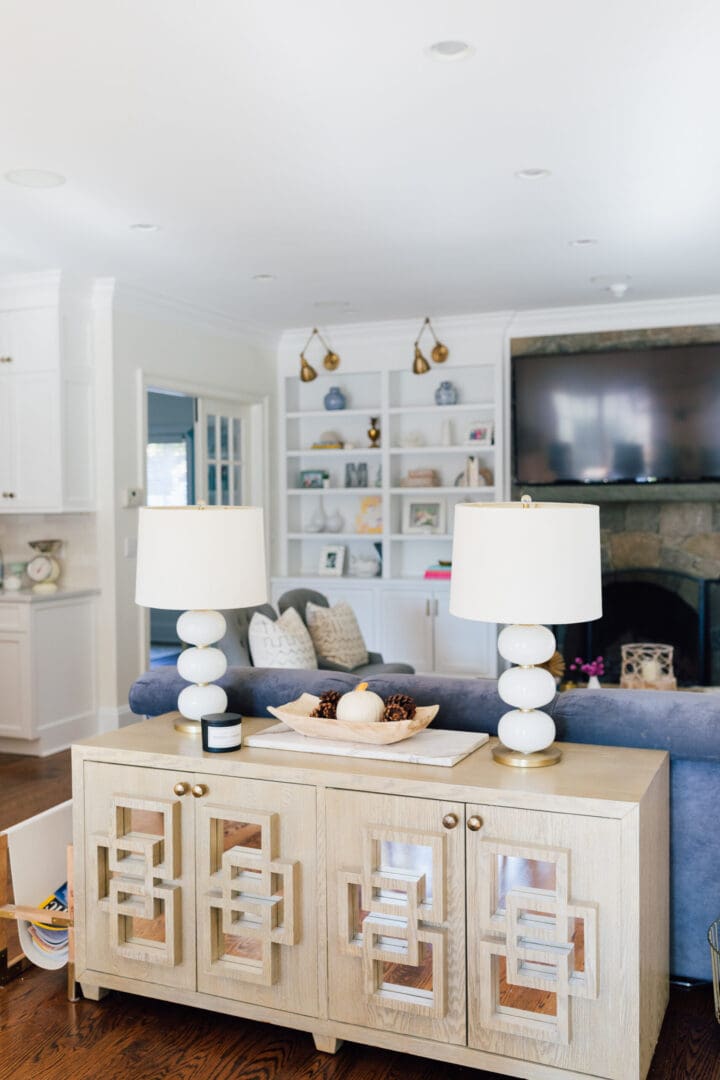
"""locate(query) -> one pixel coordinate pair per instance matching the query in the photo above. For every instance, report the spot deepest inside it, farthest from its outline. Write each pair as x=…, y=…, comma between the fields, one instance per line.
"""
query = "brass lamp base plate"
x=188, y=727
x=504, y=756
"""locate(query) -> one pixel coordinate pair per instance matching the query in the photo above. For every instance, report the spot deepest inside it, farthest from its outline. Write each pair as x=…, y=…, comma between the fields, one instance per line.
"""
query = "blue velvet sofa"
x=687, y=725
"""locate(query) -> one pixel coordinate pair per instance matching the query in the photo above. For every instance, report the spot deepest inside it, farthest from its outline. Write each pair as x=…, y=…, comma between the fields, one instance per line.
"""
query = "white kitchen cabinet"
x=29, y=340
x=15, y=717
x=30, y=437
x=46, y=434
x=47, y=670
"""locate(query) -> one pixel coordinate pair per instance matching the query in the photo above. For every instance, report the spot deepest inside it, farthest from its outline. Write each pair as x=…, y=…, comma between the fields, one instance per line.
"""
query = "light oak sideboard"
x=509, y=921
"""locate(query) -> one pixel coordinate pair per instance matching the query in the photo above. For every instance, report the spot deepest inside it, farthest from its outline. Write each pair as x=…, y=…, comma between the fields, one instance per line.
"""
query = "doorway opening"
x=169, y=481
x=198, y=449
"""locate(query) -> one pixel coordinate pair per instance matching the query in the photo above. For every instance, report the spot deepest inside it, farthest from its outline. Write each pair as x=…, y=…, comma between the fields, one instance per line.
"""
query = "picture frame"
x=332, y=560
x=313, y=478
x=479, y=433
x=423, y=514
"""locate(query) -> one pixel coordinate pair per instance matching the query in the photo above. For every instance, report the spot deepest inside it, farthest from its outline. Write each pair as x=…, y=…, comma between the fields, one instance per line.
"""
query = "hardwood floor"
x=45, y=1037
x=31, y=784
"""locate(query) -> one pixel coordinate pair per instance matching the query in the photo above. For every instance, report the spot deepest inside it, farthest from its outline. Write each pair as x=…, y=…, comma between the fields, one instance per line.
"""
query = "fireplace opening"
x=663, y=606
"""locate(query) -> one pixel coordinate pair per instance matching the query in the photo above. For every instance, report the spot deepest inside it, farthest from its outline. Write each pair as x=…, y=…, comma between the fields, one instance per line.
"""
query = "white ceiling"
x=316, y=141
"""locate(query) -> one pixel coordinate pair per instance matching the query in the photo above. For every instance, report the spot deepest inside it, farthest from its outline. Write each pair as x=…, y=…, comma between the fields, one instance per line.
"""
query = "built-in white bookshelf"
x=416, y=433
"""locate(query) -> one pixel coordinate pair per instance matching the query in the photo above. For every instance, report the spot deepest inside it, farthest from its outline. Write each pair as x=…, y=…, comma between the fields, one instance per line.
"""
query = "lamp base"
x=188, y=727
x=536, y=760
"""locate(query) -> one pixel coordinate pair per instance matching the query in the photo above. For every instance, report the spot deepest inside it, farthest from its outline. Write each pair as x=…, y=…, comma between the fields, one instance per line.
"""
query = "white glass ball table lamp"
x=526, y=564
x=199, y=558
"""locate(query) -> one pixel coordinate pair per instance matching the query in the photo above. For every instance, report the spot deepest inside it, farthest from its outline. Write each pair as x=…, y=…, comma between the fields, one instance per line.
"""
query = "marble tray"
x=425, y=748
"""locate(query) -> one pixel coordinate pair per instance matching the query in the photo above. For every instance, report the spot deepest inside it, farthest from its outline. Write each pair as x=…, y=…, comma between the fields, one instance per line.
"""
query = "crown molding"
x=617, y=315
x=140, y=301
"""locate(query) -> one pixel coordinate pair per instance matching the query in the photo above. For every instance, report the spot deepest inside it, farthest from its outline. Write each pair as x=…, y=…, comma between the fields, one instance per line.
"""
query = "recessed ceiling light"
x=532, y=174
x=616, y=284
x=263, y=277
x=144, y=226
x=583, y=241
x=450, y=50
x=35, y=178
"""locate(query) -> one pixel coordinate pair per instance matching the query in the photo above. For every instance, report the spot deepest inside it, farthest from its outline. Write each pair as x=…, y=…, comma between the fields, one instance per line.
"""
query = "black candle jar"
x=221, y=732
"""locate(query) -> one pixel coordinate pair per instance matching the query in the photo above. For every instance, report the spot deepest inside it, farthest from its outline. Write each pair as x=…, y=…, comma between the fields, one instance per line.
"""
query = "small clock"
x=44, y=569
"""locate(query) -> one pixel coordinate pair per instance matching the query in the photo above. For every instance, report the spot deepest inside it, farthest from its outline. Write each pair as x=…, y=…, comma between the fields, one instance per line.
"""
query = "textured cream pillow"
x=282, y=644
x=336, y=635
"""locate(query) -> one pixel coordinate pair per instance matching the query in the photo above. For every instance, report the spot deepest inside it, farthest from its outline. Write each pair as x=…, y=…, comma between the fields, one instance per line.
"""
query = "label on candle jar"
x=224, y=738
x=221, y=732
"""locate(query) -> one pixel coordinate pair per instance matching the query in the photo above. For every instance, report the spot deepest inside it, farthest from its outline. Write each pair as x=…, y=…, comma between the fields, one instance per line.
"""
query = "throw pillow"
x=336, y=635
x=285, y=643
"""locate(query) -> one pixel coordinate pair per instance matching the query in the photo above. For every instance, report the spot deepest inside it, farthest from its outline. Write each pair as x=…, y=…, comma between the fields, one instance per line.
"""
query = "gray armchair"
x=299, y=599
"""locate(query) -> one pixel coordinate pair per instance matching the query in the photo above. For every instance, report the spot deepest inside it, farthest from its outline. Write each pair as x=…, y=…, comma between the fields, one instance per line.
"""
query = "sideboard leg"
x=93, y=993
x=326, y=1044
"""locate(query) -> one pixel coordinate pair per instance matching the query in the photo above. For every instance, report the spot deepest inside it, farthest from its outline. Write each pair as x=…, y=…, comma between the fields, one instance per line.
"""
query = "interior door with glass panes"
x=222, y=437
x=545, y=901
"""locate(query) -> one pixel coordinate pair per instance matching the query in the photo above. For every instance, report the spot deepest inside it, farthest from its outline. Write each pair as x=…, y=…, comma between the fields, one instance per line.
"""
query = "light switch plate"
x=133, y=496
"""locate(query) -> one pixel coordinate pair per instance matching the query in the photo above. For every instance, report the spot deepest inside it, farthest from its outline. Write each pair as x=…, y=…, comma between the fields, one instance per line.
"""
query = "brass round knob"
x=199, y=790
x=474, y=823
x=181, y=788
x=450, y=821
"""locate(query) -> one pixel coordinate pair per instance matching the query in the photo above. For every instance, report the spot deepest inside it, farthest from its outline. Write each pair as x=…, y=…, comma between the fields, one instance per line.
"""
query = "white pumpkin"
x=361, y=706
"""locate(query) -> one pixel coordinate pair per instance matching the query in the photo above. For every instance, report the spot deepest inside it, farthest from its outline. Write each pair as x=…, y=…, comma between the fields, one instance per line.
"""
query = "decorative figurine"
x=374, y=433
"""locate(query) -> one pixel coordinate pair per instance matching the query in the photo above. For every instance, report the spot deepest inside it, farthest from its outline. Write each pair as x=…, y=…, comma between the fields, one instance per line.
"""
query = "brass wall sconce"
x=331, y=360
x=439, y=353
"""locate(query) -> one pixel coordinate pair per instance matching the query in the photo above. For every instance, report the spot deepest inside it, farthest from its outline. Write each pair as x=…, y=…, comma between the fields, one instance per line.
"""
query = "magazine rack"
x=12, y=965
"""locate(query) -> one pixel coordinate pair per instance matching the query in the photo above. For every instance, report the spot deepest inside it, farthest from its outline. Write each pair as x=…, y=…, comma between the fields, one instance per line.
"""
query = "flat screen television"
x=617, y=417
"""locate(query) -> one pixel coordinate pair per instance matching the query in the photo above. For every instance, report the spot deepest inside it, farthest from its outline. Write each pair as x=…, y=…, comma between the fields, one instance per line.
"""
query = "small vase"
x=374, y=433
x=334, y=399
x=446, y=394
x=593, y=683
x=318, y=521
x=334, y=523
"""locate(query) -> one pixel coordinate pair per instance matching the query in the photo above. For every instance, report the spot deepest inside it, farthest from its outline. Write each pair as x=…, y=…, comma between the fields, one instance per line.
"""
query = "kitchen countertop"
x=27, y=596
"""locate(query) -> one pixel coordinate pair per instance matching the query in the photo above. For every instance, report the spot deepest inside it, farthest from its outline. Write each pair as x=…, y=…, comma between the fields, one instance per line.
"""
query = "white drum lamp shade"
x=197, y=559
x=528, y=565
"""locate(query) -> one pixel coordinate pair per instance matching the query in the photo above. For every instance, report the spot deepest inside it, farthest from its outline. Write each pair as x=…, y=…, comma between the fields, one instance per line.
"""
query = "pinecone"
x=406, y=703
x=326, y=708
x=395, y=712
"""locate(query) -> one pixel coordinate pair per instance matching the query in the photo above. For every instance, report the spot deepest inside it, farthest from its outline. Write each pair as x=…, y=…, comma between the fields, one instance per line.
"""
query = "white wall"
x=134, y=336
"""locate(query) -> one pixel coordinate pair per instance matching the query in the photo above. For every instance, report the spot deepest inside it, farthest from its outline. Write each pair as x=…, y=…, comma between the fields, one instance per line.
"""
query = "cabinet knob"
x=199, y=790
x=8, y=494
x=450, y=821
x=5, y=359
x=474, y=823
x=181, y=788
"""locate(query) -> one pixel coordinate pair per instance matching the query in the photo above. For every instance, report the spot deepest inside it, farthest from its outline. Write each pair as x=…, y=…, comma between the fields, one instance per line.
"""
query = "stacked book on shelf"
x=439, y=571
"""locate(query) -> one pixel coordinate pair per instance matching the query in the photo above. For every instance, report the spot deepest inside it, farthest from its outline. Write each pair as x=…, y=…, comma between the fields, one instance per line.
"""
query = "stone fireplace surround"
x=672, y=529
